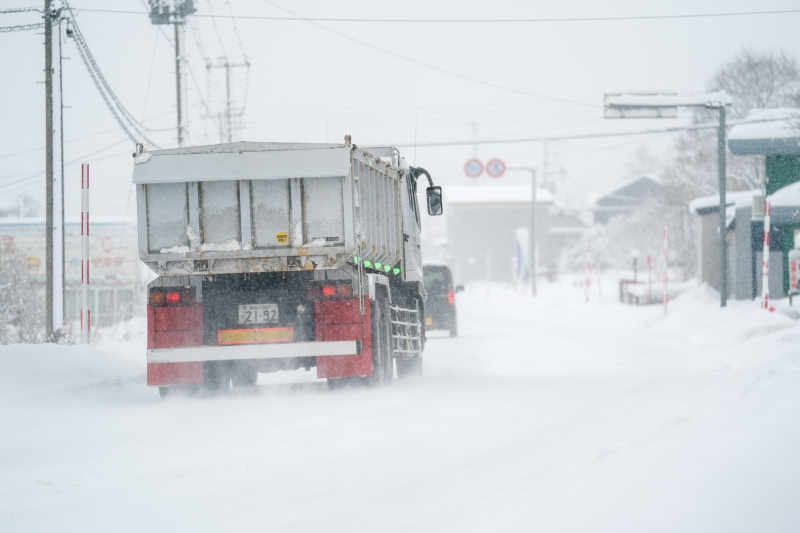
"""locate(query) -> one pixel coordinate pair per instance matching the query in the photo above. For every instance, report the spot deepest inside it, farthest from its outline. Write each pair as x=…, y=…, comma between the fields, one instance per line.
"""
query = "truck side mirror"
x=435, y=200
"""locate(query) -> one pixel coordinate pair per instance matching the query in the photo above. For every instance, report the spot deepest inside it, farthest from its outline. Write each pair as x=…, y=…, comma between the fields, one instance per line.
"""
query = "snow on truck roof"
x=244, y=146
x=253, y=160
x=242, y=161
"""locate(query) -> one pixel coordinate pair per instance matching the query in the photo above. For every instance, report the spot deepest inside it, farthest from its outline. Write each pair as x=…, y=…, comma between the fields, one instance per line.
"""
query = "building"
x=483, y=224
x=114, y=266
x=773, y=135
x=744, y=246
x=634, y=195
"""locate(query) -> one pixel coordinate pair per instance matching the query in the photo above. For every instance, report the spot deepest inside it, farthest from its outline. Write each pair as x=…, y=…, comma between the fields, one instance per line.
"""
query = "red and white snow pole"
x=765, y=260
x=588, y=271
x=85, y=312
x=599, y=287
x=664, y=295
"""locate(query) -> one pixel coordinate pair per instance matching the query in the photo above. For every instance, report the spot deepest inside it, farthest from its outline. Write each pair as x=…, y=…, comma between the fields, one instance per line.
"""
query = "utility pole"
x=54, y=176
x=723, y=226
x=544, y=164
x=178, y=82
x=175, y=13
x=227, y=65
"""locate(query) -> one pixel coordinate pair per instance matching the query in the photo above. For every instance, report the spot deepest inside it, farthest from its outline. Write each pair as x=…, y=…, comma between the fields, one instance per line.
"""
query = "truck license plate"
x=258, y=313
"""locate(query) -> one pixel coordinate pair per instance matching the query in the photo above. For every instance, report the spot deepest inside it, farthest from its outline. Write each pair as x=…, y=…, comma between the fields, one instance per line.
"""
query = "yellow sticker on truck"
x=282, y=237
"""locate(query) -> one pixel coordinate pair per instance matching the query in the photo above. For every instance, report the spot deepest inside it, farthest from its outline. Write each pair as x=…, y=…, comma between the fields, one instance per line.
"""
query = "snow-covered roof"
x=517, y=194
x=707, y=204
x=788, y=196
x=767, y=132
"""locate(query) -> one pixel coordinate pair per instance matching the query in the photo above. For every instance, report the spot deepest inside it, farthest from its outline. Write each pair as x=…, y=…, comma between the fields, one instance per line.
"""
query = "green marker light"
x=367, y=264
x=396, y=271
x=378, y=266
x=387, y=268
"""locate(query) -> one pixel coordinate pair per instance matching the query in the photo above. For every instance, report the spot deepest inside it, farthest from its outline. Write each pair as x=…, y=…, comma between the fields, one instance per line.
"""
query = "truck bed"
x=267, y=207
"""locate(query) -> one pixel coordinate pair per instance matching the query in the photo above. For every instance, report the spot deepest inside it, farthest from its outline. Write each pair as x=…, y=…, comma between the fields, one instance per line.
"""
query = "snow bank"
x=38, y=369
x=35, y=370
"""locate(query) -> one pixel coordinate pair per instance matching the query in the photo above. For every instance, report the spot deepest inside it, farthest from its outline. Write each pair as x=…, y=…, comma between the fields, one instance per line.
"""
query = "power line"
x=621, y=18
x=19, y=10
x=120, y=113
x=83, y=137
x=581, y=136
x=76, y=160
x=432, y=67
x=22, y=27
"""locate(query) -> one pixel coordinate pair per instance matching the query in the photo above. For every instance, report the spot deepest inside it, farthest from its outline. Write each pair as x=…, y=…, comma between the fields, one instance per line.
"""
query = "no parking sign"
x=495, y=168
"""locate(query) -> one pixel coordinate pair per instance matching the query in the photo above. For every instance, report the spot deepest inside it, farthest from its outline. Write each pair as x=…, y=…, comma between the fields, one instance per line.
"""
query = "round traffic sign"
x=473, y=168
x=495, y=168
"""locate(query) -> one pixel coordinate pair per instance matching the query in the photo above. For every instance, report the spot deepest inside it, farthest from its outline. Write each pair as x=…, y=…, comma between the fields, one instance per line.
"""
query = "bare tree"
x=21, y=316
x=753, y=80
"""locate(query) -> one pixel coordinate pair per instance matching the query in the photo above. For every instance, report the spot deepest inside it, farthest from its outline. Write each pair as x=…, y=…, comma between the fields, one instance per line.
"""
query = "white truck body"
x=266, y=207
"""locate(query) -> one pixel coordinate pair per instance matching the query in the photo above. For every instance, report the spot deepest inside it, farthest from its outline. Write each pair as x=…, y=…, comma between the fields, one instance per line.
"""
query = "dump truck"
x=281, y=256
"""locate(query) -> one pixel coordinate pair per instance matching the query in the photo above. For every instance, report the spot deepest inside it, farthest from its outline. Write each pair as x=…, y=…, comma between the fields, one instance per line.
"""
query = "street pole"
x=175, y=13
x=665, y=105
x=48, y=96
x=532, y=234
x=228, y=98
x=178, y=80
x=54, y=175
x=723, y=245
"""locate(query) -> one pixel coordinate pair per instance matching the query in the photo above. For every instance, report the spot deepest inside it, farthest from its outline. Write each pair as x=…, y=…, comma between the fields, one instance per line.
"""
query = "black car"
x=440, y=305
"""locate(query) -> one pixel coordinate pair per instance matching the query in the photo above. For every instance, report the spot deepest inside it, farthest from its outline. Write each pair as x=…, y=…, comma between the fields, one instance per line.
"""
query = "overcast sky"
x=383, y=82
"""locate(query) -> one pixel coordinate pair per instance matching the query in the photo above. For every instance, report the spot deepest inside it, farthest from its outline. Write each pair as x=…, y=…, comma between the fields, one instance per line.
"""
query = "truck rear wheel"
x=382, y=361
x=178, y=390
x=409, y=368
x=244, y=374
x=216, y=377
x=382, y=364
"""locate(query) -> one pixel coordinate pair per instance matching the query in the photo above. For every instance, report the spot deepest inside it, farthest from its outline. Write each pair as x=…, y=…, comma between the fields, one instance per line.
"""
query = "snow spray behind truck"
x=276, y=256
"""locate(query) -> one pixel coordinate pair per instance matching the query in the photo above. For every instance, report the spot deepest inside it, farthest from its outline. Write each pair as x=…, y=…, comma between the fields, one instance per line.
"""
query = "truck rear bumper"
x=253, y=351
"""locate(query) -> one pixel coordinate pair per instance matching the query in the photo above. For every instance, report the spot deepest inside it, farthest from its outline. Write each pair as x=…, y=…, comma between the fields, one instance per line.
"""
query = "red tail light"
x=451, y=297
x=339, y=290
x=173, y=297
x=329, y=290
x=160, y=298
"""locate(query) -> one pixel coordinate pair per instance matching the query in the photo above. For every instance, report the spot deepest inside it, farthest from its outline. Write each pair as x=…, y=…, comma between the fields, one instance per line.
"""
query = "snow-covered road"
x=544, y=415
